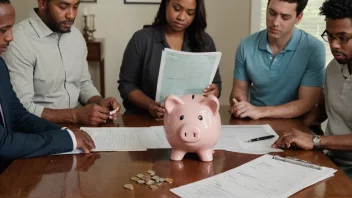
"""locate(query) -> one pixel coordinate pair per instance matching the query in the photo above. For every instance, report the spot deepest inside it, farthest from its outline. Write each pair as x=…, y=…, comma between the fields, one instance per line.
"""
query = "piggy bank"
x=192, y=124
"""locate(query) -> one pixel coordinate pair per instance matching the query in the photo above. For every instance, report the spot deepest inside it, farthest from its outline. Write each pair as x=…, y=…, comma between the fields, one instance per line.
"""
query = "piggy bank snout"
x=190, y=134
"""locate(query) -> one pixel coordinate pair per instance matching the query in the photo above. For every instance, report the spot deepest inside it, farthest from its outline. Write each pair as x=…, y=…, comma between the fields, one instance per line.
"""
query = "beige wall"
x=228, y=23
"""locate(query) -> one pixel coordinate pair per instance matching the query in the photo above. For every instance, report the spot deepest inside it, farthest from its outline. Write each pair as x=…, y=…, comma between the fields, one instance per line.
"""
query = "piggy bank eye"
x=182, y=117
x=200, y=117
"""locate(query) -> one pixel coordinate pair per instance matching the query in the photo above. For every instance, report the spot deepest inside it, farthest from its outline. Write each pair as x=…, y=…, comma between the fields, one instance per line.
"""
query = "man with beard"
x=337, y=94
x=23, y=134
x=48, y=67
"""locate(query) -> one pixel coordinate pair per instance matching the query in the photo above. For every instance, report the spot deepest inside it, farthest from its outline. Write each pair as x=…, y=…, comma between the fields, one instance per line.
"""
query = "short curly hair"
x=336, y=9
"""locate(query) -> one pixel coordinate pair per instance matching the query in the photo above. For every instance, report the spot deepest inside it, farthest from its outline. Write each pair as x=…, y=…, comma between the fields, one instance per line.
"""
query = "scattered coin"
x=141, y=181
x=134, y=178
x=150, y=182
x=151, y=172
x=169, y=180
x=148, y=179
x=128, y=186
x=140, y=175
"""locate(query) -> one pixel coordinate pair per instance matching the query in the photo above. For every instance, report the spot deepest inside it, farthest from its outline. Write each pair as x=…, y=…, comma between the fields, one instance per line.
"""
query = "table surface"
x=104, y=174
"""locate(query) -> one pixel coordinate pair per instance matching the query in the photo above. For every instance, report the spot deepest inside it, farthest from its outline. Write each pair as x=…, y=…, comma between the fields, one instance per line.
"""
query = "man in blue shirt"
x=23, y=134
x=281, y=67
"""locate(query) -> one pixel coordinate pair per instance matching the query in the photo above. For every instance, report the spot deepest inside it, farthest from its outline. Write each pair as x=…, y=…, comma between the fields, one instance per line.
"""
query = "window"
x=311, y=22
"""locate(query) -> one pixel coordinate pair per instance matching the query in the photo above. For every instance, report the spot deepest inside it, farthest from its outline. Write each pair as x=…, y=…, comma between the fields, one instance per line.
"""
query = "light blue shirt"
x=276, y=80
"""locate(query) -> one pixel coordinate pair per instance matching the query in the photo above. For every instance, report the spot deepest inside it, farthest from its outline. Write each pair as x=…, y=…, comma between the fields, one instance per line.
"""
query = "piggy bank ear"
x=171, y=101
x=213, y=103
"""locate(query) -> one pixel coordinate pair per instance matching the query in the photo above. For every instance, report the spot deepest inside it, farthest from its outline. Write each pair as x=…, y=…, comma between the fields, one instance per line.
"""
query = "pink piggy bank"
x=192, y=124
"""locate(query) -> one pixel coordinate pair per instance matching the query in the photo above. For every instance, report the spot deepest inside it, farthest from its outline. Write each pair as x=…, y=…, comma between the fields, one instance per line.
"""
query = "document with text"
x=263, y=177
x=184, y=73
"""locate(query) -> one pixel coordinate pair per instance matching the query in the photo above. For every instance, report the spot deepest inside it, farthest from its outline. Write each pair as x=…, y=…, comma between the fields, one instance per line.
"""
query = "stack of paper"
x=262, y=177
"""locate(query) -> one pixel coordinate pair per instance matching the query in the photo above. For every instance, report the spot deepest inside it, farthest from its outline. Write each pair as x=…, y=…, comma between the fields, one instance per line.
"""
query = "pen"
x=261, y=138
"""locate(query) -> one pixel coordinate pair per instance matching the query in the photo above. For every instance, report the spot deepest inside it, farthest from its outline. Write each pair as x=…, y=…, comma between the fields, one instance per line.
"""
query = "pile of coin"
x=149, y=179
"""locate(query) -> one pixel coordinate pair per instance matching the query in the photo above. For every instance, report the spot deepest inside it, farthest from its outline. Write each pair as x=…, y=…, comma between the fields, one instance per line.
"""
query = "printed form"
x=184, y=73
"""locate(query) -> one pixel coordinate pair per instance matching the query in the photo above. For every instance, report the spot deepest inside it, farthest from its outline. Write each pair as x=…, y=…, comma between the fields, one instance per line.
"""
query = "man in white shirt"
x=48, y=67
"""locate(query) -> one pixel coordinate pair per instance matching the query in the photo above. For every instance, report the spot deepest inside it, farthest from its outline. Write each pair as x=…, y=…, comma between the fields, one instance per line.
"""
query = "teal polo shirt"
x=276, y=80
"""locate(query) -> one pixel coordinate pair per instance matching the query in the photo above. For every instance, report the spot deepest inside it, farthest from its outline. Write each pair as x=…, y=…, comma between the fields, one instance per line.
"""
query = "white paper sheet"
x=232, y=138
x=262, y=177
x=185, y=72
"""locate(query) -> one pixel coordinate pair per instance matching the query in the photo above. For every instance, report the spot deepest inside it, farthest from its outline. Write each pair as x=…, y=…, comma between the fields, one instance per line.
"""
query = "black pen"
x=261, y=138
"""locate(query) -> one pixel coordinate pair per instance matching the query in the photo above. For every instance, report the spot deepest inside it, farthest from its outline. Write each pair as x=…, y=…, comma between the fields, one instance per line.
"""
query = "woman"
x=179, y=25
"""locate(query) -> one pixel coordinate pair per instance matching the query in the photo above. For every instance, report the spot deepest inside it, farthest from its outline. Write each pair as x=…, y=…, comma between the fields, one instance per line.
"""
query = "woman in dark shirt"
x=179, y=25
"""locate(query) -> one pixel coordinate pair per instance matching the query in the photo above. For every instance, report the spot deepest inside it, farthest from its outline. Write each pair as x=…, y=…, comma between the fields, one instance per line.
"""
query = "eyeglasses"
x=330, y=38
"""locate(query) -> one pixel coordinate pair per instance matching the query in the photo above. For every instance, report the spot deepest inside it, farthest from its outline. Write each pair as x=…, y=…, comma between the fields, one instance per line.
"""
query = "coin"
x=150, y=182
x=161, y=179
x=141, y=181
x=154, y=187
x=151, y=172
x=128, y=186
x=134, y=178
x=140, y=176
x=169, y=180
x=155, y=177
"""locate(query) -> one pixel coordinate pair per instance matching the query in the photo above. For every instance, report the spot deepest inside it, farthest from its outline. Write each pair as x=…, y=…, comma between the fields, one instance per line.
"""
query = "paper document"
x=263, y=177
x=185, y=72
x=234, y=137
x=115, y=139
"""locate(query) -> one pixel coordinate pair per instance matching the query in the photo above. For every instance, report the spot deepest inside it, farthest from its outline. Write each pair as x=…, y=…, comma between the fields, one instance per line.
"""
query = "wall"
x=228, y=23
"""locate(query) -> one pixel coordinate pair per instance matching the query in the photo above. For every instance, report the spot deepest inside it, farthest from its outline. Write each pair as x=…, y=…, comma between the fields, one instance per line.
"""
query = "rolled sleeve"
x=240, y=72
x=131, y=66
x=87, y=89
x=314, y=76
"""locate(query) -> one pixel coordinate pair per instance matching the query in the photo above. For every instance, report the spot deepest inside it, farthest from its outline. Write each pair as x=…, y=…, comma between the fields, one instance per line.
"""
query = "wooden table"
x=104, y=174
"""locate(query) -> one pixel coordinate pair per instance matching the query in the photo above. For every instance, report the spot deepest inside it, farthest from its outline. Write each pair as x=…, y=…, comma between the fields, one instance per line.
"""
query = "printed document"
x=184, y=73
x=263, y=177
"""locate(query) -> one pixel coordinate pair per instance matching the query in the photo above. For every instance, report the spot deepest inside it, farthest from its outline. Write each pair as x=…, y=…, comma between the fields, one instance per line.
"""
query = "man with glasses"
x=281, y=67
x=337, y=94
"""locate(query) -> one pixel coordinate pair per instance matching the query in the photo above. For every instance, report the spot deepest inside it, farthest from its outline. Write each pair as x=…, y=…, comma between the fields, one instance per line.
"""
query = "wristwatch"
x=316, y=141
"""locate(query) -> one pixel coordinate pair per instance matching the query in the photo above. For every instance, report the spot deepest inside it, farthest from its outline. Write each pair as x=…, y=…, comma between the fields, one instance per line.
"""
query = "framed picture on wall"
x=142, y=1
x=88, y=1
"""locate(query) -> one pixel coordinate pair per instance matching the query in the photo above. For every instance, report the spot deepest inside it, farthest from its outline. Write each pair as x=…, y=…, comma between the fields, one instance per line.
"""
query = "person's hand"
x=111, y=104
x=211, y=90
x=296, y=138
x=84, y=141
x=244, y=109
x=157, y=110
x=91, y=114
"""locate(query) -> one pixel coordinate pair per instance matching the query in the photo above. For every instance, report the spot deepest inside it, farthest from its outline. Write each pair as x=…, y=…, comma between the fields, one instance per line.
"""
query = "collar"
x=38, y=25
x=291, y=45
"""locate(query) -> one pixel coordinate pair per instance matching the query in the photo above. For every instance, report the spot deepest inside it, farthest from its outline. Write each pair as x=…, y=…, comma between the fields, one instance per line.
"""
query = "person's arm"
x=307, y=98
x=88, y=92
x=239, y=91
x=318, y=114
x=241, y=80
x=130, y=77
x=305, y=141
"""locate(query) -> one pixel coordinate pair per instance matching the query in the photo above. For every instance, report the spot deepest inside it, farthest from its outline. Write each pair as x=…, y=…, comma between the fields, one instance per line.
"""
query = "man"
x=281, y=67
x=48, y=67
x=337, y=91
x=23, y=134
